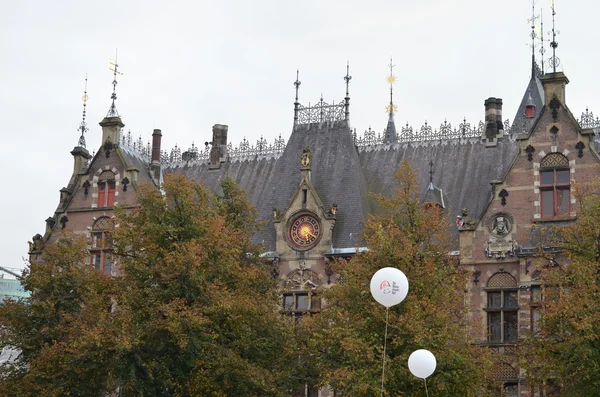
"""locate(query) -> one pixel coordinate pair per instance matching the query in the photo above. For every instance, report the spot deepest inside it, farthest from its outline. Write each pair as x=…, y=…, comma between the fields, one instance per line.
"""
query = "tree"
x=564, y=350
x=195, y=311
x=62, y=352
x=347, y=338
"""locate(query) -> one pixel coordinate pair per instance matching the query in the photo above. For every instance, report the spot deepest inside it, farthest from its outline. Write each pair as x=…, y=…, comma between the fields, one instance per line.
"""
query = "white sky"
x=189, y=65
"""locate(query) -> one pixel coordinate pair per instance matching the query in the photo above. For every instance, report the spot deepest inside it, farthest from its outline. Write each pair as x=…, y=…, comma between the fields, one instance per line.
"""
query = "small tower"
x=390, y=130
x=80, y=153
x=112, y=124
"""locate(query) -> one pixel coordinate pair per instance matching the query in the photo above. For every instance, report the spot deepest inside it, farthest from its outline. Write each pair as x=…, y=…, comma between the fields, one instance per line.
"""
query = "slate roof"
x=270, y=182
x=463, y=169
x=536, y=90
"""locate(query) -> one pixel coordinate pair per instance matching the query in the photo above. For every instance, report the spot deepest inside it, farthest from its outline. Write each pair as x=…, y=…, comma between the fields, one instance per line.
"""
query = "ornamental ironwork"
x=136, y=146
x=587, y=120
x=425, y=133
x=321, y=112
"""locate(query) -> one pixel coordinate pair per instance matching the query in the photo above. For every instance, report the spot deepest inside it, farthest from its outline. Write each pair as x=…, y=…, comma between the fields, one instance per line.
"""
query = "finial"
x=431, y=173
x=114, y=66
x=347, y=79
x=83, y=125
x=554, y=61
x=296, y=103
x=533, y=36
x=297, y=83
x=391, y=108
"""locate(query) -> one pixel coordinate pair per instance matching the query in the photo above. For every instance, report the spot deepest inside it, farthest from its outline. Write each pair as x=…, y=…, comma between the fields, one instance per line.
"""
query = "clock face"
x=305, y=231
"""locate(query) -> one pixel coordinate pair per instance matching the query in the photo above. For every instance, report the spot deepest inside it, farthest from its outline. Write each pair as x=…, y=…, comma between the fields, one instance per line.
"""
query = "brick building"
x=498, y=181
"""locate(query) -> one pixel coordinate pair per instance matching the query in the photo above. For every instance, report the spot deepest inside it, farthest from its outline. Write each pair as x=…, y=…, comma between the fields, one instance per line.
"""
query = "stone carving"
x=500, y=224
x=499, y=245
x=301, y=279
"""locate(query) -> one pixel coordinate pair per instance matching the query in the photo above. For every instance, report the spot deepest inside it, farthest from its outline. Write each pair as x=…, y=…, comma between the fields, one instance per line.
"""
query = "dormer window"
x=555, y=186
x=106, y=189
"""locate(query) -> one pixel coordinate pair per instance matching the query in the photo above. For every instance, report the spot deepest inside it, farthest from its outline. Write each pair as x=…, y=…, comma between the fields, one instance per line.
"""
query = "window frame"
x=101, y=257
x=503, y=311
x=556, y=187
x=106, y=192
x=313, y=304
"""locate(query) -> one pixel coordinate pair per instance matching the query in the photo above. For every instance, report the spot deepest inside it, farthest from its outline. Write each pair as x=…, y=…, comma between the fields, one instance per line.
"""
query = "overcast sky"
x=189, y=65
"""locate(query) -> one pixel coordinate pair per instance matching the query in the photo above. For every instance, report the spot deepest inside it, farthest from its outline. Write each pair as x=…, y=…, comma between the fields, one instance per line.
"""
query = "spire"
x=554, y=61
x=114, y=66
x=533, y=37
x=390, y=131
x=83, y=125
x=347, y=78
x=296, y=103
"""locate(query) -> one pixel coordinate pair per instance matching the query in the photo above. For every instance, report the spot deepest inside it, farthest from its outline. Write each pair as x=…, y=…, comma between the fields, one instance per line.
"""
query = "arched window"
x=101, y=247
x=106, y=189
x=554, y=186
x=508, y=379
x=502, y=308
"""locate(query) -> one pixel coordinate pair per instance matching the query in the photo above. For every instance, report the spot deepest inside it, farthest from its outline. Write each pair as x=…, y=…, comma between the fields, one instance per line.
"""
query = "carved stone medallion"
x=500, y=224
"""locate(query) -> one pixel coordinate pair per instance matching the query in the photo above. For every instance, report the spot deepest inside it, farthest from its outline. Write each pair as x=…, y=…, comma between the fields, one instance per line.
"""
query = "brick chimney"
x=218, y=152
x=155, y=158
x=494, y=128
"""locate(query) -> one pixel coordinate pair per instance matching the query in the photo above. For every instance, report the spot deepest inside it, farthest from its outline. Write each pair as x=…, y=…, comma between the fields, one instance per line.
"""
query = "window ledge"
x=555, y=219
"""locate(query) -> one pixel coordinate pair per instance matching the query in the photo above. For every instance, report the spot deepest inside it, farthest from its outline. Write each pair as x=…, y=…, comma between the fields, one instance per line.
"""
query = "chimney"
x=218, y=152
x=155, y=163
x=491, y=125
x=494, y=127
x=156, y=138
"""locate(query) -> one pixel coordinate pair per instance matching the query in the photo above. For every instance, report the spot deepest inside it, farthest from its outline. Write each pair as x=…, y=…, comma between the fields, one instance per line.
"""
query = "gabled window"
x=101, y=245
x=502, y=308
x=555, y=189
x=106, y=189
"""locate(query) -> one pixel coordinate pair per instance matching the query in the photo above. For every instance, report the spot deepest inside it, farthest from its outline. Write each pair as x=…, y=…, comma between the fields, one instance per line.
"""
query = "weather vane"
x=83, y=126
x=554, y=61
x=391, y=108
x=114, y=67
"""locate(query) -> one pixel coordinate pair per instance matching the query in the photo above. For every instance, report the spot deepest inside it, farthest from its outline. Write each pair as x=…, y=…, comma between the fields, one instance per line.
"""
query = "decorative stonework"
x=301, y=279
x=500, y=224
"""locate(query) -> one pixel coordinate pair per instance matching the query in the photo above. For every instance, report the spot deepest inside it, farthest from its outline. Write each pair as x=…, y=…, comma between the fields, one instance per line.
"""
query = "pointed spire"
x=83, y=125
x=554, y=61
x=347, y=79
x=533, y=37
x=114, y=67
x=296, y=103
x=390, y=131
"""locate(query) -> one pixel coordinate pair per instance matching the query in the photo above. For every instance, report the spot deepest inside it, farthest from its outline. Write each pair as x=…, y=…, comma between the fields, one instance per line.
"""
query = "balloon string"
x=426, y=392
x=387, y=309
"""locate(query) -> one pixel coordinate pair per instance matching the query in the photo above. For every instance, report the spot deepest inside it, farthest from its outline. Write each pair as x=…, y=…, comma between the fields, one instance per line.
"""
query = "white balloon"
x=422, y=363
x=389, y=286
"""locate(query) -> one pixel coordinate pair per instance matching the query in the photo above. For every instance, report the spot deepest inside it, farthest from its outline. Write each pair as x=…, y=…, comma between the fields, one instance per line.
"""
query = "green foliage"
x=193, y=313
x=566, y=347
x=347, y=337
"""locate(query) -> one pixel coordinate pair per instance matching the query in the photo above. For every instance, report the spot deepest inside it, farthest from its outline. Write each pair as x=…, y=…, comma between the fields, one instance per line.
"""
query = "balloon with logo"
x=389, y=286
x=422, y=363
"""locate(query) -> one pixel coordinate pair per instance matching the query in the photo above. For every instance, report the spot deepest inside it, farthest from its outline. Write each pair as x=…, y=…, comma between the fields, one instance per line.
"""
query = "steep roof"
x=272, y=180
x=463, y=169
x=534, y=93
